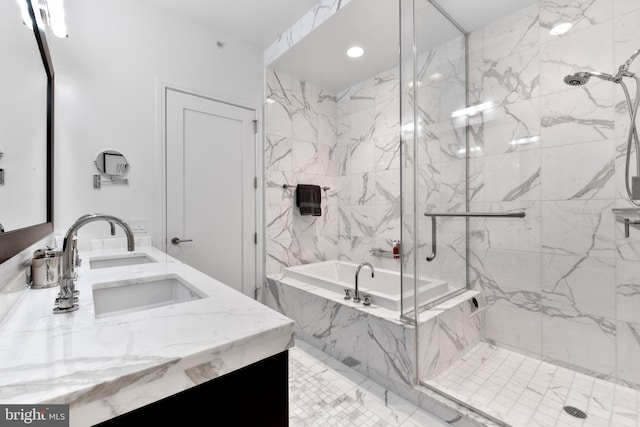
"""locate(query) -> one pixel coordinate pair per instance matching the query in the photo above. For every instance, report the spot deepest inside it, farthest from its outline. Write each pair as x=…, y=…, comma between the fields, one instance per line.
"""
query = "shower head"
x=577, y=79
x=582, y=77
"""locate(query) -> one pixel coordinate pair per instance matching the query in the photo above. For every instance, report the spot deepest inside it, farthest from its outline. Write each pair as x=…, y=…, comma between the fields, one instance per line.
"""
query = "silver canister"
x=46, y=268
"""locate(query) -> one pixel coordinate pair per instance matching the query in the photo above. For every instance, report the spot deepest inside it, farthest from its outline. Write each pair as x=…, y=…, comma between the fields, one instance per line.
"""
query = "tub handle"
x=347, y=294
x=367, y=300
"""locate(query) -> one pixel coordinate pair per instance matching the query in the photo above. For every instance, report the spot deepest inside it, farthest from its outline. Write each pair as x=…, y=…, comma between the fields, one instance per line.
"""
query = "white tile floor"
x=324, y=392
x=523, y=391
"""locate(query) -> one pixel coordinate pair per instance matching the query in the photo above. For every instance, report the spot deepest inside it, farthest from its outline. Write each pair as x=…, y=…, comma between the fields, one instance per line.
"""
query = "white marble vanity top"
x=108, y=366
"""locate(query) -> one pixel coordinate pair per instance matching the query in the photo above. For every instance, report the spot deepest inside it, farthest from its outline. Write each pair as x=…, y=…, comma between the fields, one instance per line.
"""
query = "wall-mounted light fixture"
x=48, y=13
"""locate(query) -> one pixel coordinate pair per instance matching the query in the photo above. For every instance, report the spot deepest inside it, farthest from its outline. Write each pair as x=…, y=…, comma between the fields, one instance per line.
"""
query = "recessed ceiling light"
x=561, y=29
x=355, y=52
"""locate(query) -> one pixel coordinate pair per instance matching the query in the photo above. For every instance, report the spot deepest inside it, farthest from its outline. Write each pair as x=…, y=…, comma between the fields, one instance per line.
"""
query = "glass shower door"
x=434, y=155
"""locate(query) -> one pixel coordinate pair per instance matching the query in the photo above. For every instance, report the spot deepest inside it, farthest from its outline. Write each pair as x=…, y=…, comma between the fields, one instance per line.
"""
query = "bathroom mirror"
x=112, y=163
x=26, y=132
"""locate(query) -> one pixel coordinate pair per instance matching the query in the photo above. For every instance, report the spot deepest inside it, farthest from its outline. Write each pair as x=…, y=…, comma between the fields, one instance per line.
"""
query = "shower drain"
x=575, y=412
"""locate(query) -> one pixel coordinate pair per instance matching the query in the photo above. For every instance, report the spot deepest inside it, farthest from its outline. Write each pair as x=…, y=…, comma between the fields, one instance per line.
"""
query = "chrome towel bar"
x=285, y=186
x=434, y=215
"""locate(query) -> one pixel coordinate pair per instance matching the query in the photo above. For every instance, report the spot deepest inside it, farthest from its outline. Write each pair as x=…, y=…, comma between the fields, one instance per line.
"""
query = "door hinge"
x=255, y=238
x=255, y=182
x=255, y=126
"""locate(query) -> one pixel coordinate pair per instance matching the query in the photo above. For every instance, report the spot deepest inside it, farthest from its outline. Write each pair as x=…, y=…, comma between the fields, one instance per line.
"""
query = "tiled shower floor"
x=523, y=391
x=325, y=392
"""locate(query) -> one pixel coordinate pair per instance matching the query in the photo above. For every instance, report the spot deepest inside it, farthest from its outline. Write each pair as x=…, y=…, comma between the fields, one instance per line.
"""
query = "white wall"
x=108, y=75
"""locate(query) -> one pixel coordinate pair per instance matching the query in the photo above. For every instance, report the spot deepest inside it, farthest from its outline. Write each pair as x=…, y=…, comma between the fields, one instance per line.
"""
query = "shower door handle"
x=433, y=216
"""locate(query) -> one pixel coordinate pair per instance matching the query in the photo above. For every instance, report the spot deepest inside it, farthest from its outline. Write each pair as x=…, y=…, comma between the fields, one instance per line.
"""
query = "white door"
x=211, y=199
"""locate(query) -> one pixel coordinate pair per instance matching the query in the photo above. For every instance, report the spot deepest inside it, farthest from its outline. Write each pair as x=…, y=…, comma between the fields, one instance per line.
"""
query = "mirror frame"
x=14, y=242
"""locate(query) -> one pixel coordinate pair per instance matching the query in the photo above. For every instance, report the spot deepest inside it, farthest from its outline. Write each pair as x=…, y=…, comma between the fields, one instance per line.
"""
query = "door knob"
x=177, y=240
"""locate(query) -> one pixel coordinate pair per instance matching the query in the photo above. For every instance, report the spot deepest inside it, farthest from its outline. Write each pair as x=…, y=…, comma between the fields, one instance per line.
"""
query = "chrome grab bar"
x=433, y=216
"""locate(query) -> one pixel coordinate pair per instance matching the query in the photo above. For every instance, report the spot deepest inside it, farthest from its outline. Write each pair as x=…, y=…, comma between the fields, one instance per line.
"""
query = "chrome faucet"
x=67, y=300
x=1, y=228
x=356, y=296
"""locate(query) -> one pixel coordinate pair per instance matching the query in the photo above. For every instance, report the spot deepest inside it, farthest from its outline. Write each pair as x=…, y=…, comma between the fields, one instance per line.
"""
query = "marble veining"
x=108, y=366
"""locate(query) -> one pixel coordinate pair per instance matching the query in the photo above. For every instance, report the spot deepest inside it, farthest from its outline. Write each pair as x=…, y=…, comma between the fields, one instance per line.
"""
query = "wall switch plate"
x=137, y=225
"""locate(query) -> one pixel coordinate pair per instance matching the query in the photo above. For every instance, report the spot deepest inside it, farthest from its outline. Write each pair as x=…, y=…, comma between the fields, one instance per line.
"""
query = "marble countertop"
x=108, y=366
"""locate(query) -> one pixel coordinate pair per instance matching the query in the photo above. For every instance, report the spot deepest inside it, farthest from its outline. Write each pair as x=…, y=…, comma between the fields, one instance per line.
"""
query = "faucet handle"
x=367, y=300
x=347, y=294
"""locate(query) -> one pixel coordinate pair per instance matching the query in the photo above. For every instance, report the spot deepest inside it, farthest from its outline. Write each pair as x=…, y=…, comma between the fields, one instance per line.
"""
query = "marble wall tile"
x=589, y=49
x=304, y=114
x=509, y=177
x=388, y=187
x=357, y=221
x=387, y=117
x=327, y=103
x=391, y=350
x=588, y=342
x=578, y=115
x=278, y=114
x=582, y=13
x=576, y=227
x=361, y=157
x=579, y=171
x=324, y=161
x=446, y=338
x=304, y=157
x=386, y=85
x=513, y=78
x=357, y=189
x=387, y=152
x=354, y=248
x=575, y=286
x=363, y=125
x=362, y=96
x=628, y=353
x=491, y=268
x=387, y=219
x=513, y=34
x=285, y=299
x=515, y=327
x=628, y=248
x=278, y=220
x=621, y=7
x=327, y=130
x=336, y=325
x=513, y=234
x=274, y=193
x=509, y=128
x=626, y=37
x=628, y=291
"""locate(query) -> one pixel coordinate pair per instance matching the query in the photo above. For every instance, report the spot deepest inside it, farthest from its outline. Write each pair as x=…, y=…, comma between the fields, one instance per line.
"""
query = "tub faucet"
x=356, y=296
x=67, y=300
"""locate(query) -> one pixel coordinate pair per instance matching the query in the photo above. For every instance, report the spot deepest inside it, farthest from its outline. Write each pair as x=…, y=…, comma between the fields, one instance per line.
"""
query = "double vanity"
x=151, y=336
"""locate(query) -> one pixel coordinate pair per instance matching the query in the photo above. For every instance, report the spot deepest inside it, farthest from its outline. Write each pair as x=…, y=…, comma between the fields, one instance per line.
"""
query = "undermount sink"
x=121, y=297
x=120, y=260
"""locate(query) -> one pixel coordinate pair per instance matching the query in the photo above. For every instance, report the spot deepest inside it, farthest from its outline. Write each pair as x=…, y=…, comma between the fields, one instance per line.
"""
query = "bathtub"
x=384, y=289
